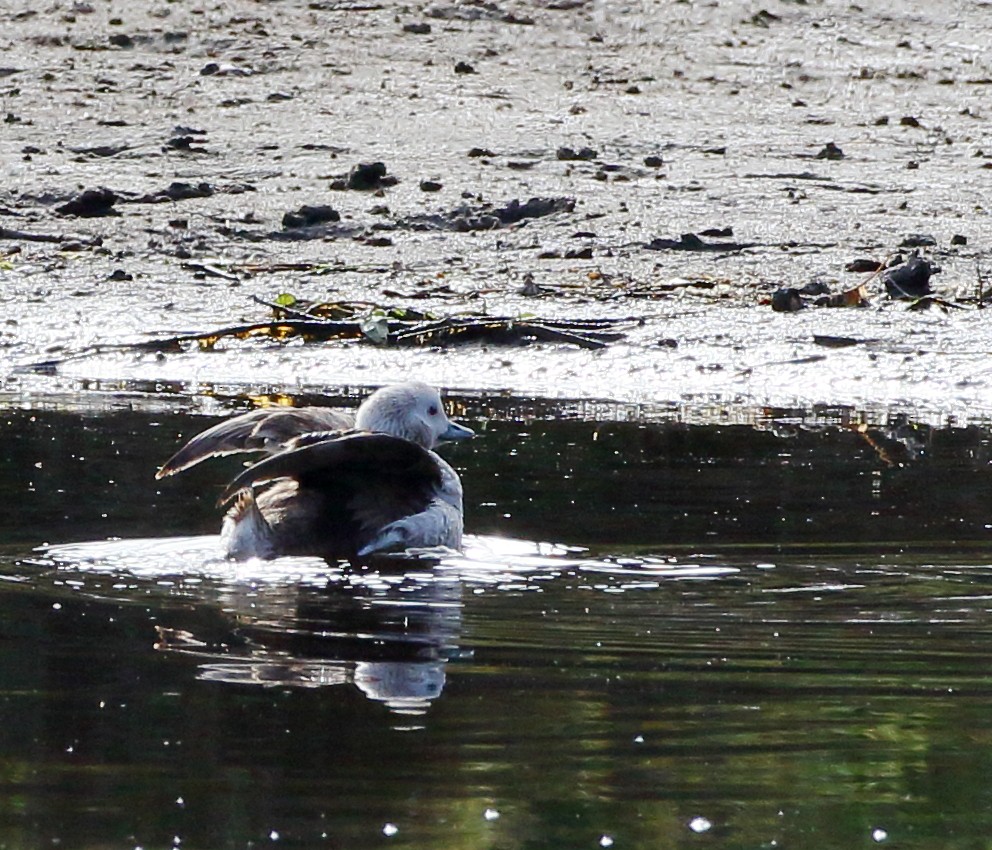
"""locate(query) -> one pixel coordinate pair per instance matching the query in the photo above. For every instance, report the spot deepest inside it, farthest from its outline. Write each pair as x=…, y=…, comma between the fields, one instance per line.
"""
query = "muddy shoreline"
x=538, y=160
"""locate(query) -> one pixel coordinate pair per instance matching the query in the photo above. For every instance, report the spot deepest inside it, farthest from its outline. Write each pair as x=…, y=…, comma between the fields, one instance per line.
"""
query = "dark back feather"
x=333, y=492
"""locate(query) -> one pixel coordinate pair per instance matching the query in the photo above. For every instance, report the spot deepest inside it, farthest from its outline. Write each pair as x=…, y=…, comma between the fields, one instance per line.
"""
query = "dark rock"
x=479, y=152
x=763, y=18
x=787, y=301
x=918, y=240
x=368, y=176
x=653, y=161
x=815, y=287
x=430, y=186
x=90, y=204
x=214, y=69
x=467, y=218
x=691, y=242
x=911, y=279
x=476, y=11
x=177, y=191
x=180, y=143
x=464, y=68
x=530, y=287
x=830, y=151
x=863, y=265
x=334, y=150
x=119, y=39
x=307, y=216
x=828, y=341
x=120, y=274
x=534, y=208
x=909, y=121
x=958, y=239
x=417, y=28
x=579, y=254
x=717, y=232
x=584, y=154
x=100, y=150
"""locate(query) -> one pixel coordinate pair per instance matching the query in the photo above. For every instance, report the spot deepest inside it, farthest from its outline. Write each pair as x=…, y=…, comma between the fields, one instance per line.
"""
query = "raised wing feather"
x=379, y=460
x=267, y=429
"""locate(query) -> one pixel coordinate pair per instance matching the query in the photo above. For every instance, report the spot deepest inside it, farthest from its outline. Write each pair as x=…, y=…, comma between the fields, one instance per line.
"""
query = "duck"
x=337, y=486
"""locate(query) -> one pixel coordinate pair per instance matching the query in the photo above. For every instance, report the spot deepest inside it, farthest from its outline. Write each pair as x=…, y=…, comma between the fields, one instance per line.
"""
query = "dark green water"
x=748, y=637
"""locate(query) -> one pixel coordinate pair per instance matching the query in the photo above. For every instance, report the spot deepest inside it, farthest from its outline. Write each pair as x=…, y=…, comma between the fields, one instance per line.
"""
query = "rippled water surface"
x=762, y=633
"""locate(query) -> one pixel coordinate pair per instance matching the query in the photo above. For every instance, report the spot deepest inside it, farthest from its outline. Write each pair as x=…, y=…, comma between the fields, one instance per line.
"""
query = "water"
x=770, y=632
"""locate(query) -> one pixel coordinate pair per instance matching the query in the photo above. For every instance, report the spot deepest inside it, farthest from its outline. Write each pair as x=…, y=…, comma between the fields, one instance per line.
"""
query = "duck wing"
x=266, y=429
x=333, y=494
x=355, y=460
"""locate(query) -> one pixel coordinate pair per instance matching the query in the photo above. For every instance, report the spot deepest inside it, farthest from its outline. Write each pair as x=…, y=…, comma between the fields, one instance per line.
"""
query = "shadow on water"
x=767, y=633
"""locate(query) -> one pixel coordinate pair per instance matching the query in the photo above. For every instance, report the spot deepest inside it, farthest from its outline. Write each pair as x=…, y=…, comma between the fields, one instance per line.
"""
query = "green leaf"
x=285, y=299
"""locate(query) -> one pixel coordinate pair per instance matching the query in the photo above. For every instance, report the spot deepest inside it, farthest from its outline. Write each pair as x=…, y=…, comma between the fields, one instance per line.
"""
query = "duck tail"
x=246, y=533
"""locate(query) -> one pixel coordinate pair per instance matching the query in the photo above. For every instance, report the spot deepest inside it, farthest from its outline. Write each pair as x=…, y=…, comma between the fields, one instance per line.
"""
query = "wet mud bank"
x=170, y=171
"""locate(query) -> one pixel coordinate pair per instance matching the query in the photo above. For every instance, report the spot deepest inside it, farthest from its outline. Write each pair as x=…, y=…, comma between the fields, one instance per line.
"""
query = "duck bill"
x=457, y=432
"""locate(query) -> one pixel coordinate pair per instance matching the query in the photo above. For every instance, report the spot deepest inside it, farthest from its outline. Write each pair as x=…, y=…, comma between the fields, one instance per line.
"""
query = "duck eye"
x=432, y=410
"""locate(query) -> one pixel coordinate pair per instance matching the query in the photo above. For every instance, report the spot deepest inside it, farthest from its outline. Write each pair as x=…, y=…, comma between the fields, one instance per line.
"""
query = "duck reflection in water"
x=391, y=638
x=337, y=487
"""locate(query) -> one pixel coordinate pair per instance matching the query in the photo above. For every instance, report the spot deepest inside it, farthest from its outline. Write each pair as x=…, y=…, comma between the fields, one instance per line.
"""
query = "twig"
x=24, y=236
x=279, y=308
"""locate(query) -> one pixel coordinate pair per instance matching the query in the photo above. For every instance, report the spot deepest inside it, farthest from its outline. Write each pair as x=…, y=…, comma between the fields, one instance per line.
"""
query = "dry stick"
x=289, y=311
x=882, y=266
x=306, y=315
x=447, y=328
x=325, y=329
x=319, y=329
x=24, y=236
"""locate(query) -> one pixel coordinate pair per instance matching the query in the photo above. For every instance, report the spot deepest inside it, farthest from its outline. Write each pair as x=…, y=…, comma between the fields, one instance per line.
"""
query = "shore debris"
x=359, y=321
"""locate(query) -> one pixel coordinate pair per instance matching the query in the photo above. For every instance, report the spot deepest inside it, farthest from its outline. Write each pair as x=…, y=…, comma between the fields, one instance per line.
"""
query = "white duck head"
x=412, y=411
